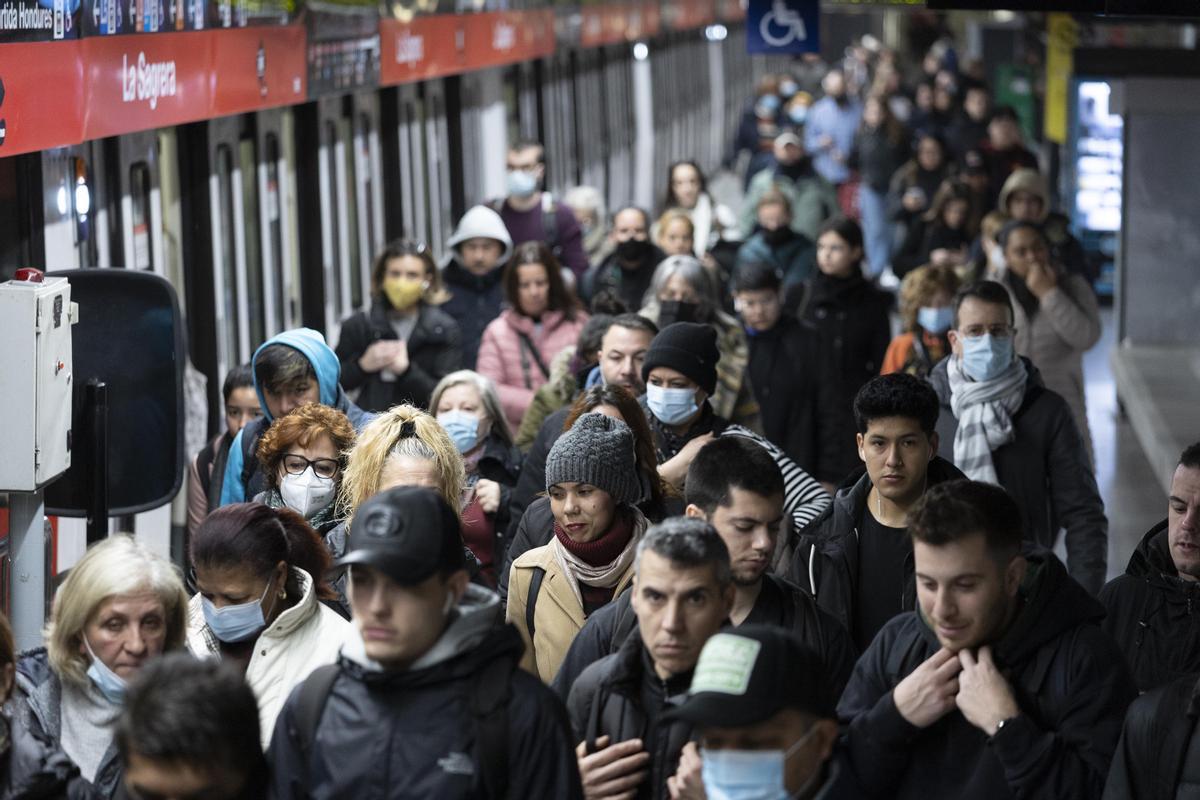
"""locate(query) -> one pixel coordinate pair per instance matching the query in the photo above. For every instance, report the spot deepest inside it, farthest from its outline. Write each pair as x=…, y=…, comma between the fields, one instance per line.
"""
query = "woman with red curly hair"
x=302, y=457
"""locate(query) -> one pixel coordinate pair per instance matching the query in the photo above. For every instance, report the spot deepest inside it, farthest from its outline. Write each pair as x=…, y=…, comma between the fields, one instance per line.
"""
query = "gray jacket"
x=1047, y=471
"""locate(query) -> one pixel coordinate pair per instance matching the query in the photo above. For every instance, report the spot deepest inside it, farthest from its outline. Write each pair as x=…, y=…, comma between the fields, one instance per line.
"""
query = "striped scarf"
x=984, y=411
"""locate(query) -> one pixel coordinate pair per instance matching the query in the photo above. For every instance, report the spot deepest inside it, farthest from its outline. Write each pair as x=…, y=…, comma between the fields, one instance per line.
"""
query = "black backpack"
x=491, y=689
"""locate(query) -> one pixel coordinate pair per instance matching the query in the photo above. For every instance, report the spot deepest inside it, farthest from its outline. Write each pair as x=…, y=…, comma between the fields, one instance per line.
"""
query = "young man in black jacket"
x=794, y=405
x=1157, y=756
x=856, y=558
x=1150, y=607
x=682, y=593
x=425, y=702
x=1003, y=684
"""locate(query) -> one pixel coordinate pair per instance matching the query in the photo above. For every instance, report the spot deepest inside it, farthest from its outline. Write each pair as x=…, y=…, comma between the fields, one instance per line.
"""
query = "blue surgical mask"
x=671, y=406
x=935, y=319
x=521, y=183
x=235, y=623
x=750, y=774
x=986, y=357
x=769, y=103
x=797, y=114
x=462, y=427
x=788, y=88
x=110, y=684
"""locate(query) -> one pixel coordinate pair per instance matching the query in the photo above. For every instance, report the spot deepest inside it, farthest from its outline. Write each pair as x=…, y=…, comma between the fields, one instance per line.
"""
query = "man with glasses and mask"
x=1000, y=424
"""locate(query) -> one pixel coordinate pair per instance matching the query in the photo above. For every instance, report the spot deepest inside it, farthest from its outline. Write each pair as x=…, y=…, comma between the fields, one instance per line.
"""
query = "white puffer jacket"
x=306, y=636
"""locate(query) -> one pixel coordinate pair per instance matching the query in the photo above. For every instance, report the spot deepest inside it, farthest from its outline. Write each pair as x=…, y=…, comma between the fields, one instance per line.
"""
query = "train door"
x=276, y=180
x=591, y=119
x=618, y=88
x=68, y=220
x=559, y=100
x=426, y=200
x=349, y=173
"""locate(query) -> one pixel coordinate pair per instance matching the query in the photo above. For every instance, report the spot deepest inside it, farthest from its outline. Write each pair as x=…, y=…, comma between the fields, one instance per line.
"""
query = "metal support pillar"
x=27, y=549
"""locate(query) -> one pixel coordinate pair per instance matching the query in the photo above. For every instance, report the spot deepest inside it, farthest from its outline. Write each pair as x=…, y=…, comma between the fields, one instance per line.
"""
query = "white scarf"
x=606, y=575
x=702, y=224
x=984, y=410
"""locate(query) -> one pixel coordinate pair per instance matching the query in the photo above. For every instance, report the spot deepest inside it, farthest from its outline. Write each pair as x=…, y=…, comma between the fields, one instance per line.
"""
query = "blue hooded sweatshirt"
x=325, y=364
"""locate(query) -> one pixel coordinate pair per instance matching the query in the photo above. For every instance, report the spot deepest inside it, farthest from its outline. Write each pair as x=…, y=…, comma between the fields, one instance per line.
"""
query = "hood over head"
x=312, y=346
x=1026, y=180
x=481, y=222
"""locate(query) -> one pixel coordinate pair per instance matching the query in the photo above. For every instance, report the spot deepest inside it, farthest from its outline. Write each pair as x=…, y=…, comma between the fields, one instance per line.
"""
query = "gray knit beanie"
x=597, y=450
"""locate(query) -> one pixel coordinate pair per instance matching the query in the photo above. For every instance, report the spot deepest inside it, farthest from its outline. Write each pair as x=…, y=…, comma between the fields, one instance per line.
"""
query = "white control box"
x=35, y=382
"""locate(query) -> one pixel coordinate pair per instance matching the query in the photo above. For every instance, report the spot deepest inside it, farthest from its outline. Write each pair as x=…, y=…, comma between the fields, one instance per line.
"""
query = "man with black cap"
x=682, y=593
x=425, y=702
x=680, y=371
x=761, y=708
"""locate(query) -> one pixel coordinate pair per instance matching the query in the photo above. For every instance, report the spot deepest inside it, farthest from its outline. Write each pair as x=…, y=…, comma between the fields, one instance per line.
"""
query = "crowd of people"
x=653, y=504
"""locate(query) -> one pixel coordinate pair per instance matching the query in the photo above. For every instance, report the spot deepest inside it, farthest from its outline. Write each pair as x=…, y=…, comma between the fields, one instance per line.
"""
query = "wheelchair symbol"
x=782, y=17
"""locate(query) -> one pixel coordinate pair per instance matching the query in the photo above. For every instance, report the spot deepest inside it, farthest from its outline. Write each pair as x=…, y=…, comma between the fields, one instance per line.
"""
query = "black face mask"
x=778, y=236
x=793, y=171
x=632, y=250
x=672, y=311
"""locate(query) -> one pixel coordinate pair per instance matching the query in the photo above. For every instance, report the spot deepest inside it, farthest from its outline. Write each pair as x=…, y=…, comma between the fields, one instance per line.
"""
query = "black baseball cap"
x=408, y=533
x=749, y=674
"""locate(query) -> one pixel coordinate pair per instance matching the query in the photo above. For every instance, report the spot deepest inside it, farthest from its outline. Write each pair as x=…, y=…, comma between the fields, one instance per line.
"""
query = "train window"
x=348, y=193
x=333, y=233
x=142, y=256
x=274, y=231
x=251, y=245
x=228, y=255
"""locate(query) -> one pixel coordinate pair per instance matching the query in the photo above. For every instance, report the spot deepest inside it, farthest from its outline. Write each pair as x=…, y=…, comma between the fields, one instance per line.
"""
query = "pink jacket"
x=500, y=355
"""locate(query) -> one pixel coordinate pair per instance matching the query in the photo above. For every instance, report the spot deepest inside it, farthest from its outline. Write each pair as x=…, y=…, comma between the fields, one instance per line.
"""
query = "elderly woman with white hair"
x=119, y=607
x=683, y=290
x=468, y=407
x=587, y=204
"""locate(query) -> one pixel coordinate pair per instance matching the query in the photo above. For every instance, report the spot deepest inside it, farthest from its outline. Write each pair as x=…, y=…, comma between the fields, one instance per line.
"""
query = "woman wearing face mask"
x=398, y=350
x=468, y=408
x=850, y=316
x=682, y=290
x=542, y=318
x=913, y=185
x=941, y=236
x=1055, y=315
x=927, y=314
x=119, y=607
x=260, y=582
x=881, y=147
x=302, y=457
x=593, y=485
x=680, y=371
x=759, y=126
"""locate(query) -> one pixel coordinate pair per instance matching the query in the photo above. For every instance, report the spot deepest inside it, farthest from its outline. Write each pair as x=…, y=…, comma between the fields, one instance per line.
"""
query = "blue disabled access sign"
x=783, y=26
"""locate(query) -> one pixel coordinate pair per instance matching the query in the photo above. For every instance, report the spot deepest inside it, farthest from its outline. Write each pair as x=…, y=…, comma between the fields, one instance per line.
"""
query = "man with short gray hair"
x=682, y=594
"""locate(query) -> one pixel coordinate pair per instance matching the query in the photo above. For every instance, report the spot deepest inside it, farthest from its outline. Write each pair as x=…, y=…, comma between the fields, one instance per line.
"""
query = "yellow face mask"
x=403, y=293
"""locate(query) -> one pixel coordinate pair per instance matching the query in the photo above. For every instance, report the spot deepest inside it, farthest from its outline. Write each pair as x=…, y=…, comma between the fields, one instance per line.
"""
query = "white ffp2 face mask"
x=307, y=493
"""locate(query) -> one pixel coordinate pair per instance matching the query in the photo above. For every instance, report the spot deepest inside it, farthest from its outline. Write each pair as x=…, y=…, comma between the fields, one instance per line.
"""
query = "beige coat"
x=1065, y=327
x=558, y=616
x=302, y=638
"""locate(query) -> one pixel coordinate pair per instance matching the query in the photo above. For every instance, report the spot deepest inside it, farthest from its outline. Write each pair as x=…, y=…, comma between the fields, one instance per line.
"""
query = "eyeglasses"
x=322, y=467
x=996, y=331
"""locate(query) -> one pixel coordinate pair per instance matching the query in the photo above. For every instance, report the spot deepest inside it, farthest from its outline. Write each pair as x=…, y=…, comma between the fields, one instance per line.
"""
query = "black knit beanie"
x=689, y=348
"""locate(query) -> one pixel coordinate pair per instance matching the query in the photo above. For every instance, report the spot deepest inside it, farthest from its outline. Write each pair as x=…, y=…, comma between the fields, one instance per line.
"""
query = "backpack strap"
x=490, y=694
x=535, y=586
x=528, y=348
x=311, y=704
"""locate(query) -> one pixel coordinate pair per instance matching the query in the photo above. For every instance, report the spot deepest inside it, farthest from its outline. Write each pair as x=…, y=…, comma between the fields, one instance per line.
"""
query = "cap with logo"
x=408, y=533
x=748, y=675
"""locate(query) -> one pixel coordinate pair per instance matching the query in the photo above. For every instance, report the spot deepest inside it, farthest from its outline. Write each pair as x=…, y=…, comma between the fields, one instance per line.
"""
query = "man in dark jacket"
x=794, y=405
x=189, y=728
x=734, y=485
x=532, y=215
x=682, y=592
x=474, y=276
x=1003, y=684
x=425, y=701
x=760, y=698
x=1154, y=608
x=1158, y=756
x=856, y=558
x=792, y=255
x=627, y=270
x=1020, y=434
x=291, y=369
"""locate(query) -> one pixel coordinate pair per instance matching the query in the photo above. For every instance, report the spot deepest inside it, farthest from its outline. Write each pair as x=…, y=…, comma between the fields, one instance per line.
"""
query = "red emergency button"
x=28, y=274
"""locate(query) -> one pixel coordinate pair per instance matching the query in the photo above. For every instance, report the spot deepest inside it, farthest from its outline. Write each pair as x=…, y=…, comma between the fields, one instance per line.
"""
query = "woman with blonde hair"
x=927, y=314
x=119, y=607
x=302, y=457
x=674, y=233
x=468, y=408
